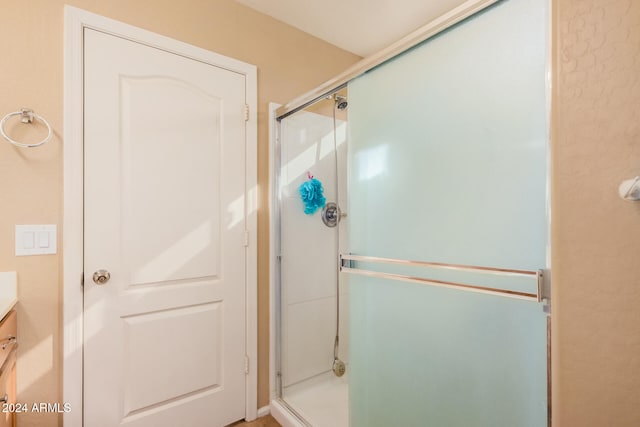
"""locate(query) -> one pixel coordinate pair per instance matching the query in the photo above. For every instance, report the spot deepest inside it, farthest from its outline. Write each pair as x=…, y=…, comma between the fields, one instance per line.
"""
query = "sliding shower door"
x=448, y=164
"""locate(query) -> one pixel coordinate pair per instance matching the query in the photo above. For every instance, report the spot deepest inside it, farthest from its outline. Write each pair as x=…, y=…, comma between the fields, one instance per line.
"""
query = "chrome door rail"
x=345, y=267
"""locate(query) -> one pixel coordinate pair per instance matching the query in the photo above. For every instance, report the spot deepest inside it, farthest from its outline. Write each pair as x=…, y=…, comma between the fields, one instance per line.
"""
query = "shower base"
x=323, y=401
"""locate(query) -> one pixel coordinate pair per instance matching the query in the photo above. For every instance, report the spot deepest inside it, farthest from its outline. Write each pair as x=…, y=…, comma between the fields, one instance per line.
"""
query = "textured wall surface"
x=596, y=144
x=596, y=235
x=31, y=74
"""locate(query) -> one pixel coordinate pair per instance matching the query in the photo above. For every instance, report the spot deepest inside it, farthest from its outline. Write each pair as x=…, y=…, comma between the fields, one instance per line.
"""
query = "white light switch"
x=28, y=240
x=35, y=240
x=43, y=239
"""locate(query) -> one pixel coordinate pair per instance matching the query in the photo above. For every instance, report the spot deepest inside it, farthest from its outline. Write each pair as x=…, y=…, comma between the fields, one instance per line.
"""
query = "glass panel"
x=309, y=266
x=448, y=163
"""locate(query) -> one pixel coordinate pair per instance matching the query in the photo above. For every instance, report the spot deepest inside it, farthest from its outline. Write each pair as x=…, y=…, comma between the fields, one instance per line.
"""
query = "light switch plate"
x=36, y=240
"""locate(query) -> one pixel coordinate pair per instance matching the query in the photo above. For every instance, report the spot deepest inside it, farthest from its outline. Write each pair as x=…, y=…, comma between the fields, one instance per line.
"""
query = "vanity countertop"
x=8, y=292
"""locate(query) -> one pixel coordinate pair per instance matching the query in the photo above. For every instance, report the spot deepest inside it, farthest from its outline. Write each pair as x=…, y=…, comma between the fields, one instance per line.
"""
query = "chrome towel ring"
x=27, y=117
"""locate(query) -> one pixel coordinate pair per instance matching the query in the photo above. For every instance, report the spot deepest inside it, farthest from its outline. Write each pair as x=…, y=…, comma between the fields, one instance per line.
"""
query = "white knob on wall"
x=630, y=189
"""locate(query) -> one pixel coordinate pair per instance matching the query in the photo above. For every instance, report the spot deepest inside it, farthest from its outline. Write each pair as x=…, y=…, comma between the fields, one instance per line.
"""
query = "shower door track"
x=293, y=412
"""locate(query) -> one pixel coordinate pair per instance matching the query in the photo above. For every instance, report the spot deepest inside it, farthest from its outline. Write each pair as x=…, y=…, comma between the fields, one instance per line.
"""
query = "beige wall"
x=596, y=144
x=596, y=235
x=31, y=71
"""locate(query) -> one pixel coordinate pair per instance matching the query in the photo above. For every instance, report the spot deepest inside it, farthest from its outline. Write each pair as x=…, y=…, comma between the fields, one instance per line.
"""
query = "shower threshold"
x=321, y=401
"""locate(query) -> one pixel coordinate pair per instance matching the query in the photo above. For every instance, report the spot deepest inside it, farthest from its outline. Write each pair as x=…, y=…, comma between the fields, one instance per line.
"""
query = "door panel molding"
x=76, y=20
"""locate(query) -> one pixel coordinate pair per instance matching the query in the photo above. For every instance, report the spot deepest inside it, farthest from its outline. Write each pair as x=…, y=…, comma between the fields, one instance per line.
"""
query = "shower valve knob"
x=331, y=214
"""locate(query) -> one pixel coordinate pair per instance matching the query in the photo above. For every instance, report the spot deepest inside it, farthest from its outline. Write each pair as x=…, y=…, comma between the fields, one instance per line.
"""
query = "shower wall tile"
x=308, y=147
x=309, y=255
x=308, y=247
x=309, y=335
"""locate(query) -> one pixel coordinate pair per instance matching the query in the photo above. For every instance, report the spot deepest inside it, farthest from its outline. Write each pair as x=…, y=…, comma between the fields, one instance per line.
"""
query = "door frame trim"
x=76, y=20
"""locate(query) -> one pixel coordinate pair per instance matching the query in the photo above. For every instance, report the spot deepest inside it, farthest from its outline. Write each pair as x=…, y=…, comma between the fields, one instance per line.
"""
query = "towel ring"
x=27, y=117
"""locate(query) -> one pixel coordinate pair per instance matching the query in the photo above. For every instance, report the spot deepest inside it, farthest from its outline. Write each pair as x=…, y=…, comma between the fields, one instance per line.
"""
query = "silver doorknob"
x=101, y=277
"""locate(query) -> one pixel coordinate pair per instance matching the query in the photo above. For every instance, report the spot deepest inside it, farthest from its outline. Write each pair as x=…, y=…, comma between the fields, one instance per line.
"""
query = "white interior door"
x=165, y=215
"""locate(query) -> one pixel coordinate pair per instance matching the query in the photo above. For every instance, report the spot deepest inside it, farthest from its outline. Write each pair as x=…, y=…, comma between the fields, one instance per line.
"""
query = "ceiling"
x=362, y=27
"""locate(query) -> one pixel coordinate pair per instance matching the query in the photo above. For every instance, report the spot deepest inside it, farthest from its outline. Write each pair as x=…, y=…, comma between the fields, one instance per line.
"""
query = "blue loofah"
x=311, y=193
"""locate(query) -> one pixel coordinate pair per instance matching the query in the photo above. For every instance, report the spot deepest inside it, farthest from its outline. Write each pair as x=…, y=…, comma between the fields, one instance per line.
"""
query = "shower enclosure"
x=313, y=342
x=435, y=278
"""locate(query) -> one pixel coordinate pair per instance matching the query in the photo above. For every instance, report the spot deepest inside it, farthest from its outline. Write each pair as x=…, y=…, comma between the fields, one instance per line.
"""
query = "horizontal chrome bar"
x=529, y=296
x=473, y=288
x=493, y=270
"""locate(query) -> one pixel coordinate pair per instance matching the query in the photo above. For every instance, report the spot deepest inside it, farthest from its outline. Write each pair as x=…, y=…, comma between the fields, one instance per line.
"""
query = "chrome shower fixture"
x=341, y=102
x=338, y=368
x=331, y=214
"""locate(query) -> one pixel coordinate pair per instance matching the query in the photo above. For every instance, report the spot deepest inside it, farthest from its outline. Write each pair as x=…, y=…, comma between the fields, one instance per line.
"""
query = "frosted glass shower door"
x=448, y=163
